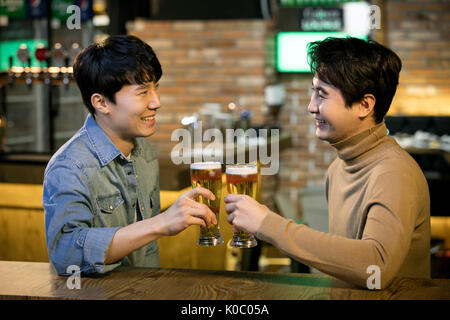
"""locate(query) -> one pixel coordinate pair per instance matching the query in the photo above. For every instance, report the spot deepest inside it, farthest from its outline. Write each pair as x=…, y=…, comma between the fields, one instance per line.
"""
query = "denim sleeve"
x=71, y=237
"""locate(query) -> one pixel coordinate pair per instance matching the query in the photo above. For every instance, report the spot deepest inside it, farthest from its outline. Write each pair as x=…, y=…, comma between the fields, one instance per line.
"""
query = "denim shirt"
x=91, y=190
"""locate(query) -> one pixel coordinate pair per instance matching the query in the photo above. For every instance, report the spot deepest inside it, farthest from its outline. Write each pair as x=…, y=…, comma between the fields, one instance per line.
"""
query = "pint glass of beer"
x=242, y=179
x=208, y=175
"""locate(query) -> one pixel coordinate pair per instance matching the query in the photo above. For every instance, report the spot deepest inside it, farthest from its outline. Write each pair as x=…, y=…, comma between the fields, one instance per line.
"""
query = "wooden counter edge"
x=42, y=275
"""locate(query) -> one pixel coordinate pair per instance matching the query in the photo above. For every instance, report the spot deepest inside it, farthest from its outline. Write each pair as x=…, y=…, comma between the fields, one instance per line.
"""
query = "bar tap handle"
x=66, y=79
x=29, y=76
x=10, y=73
x=58, y=55
x=41, y=56
x=23, y=54
x=47, y=79
x=74, y=51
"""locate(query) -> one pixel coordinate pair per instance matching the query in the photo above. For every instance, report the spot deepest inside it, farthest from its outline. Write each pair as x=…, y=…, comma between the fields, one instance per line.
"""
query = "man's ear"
x=99, y=103
x=367, y=105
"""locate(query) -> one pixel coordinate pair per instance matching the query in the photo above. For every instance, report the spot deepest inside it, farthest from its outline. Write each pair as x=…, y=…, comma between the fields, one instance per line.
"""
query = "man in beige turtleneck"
x=378, y=199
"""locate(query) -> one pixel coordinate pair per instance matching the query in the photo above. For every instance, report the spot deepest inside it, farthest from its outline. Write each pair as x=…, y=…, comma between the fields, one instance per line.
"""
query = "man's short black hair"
x=357, y=67
x=119, y=60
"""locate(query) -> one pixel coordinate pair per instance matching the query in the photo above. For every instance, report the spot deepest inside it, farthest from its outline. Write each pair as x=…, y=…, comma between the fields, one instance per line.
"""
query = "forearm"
x=343, y=258
x=133, y=237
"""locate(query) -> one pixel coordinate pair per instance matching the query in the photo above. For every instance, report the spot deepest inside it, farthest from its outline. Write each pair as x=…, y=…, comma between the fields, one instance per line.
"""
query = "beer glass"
x=208, y=175
x=242, y=179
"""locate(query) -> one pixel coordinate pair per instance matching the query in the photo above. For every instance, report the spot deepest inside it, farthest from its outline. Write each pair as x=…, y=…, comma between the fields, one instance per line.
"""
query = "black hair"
x=357, y=67
x=119, y=60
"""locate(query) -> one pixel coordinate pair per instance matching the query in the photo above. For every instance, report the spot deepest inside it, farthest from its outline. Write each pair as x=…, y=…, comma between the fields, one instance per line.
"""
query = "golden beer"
x=242, y=179
x=208, y=175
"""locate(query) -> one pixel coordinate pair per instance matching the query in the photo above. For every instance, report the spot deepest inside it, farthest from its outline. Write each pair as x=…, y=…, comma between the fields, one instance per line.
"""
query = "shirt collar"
x=359, y=144
x=104, y=148
x=137, y=150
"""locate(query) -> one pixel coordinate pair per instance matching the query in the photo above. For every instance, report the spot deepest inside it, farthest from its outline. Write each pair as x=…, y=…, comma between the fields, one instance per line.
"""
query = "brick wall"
x=205, y=62
x=419, y=32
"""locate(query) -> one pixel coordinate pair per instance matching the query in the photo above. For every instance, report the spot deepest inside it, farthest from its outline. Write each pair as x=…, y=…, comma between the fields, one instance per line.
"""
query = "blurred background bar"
x=230, y=64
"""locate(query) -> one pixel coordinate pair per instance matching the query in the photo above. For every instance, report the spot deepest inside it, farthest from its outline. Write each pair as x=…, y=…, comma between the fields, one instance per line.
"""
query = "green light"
x=305, y=3
x=9, y=48
x=292, y=49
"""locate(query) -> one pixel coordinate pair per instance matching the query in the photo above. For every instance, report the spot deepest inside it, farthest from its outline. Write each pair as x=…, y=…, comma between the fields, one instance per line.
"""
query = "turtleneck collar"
x=356, y=145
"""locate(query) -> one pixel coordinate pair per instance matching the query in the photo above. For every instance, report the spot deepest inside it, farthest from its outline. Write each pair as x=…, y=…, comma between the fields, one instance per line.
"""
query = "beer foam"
x=244, y=170
x=206, y=165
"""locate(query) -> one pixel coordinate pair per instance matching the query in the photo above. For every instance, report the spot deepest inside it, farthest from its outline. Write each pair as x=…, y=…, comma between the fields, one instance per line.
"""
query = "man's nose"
x=312, y=107
x=154, y=102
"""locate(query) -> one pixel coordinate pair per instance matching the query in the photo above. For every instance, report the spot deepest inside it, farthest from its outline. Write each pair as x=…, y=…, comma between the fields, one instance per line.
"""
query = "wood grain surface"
x=22, y=234
x=32, y=280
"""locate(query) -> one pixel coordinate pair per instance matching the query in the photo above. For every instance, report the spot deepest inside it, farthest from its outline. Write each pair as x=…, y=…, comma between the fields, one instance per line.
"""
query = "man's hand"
x=183, y=213
x=186, y=212
x=245, y=213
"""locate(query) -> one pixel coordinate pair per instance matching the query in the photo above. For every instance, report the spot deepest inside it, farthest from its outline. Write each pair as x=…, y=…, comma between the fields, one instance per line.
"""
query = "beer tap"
x=47, y=79
x=41, y=56
x=70, y=59
x=10, y=73
x=29, y=76
x=58, y=55
x=66, y=79
x=23, y=54
x=74, y=51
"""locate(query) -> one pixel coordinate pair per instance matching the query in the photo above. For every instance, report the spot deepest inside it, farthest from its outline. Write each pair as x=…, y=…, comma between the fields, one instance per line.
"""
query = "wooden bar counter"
x=37, y=280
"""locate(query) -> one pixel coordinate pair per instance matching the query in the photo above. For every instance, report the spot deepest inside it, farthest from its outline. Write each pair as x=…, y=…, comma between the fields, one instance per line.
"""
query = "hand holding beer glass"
x=209, y=176
x=242, y=179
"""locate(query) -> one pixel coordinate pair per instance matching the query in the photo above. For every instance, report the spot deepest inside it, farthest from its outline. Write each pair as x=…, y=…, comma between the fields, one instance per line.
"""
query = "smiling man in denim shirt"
x=101, y=188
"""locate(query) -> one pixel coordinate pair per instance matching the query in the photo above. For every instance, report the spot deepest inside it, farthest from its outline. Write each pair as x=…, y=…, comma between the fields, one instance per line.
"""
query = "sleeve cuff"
x=269, y=226
x=95, y=243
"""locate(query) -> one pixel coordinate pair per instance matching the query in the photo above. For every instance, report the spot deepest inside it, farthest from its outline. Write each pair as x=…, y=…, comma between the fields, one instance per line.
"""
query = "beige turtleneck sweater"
x=379, y=214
